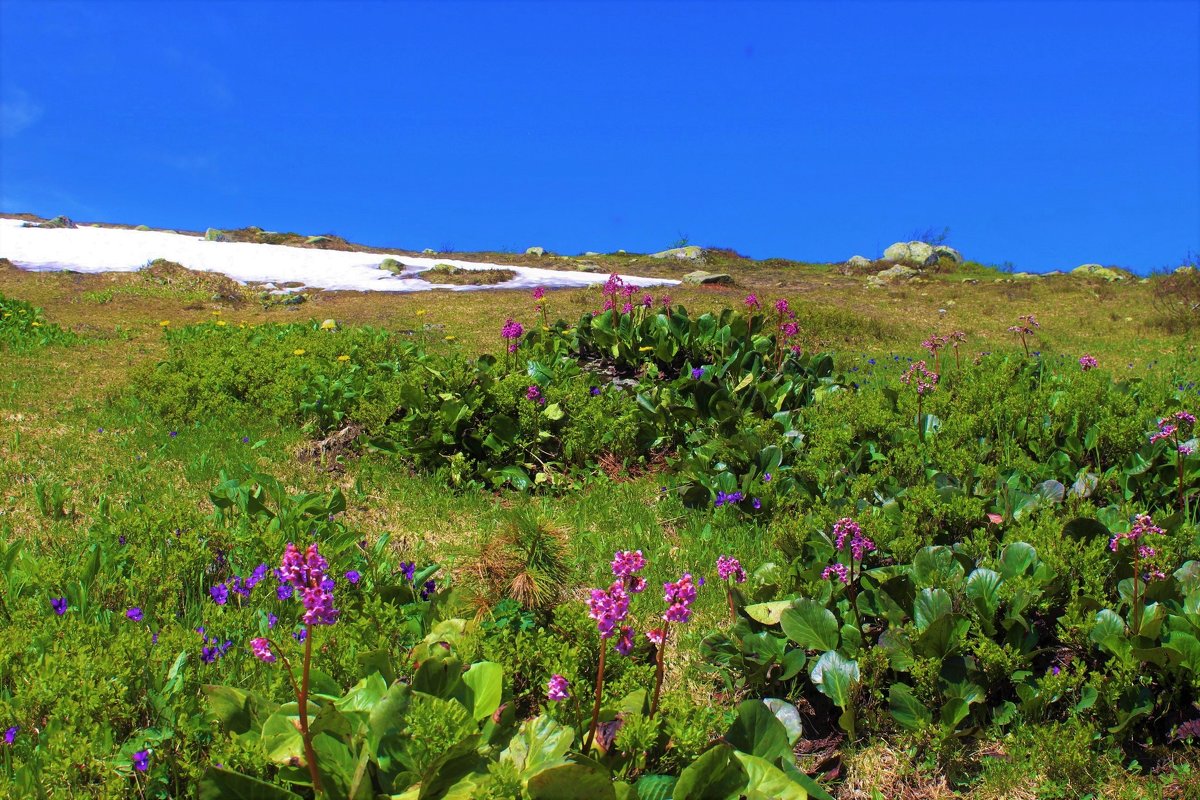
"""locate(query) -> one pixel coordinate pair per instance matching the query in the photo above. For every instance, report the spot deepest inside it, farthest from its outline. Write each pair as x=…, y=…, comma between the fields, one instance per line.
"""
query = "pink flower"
x=925, y=379
x=557, y=688
x=262, y=650
x=538, y=293
x=655, y=635
x=752, y=302
x=627, y=562
x=839, y=570
x=679, y=597
x=609, y=608
x=1087, y=362
x=729, y=567
x=624, y=644
x=781, y=305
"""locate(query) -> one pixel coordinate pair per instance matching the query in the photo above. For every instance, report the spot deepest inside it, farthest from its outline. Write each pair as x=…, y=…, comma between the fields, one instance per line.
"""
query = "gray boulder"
x=318, y=240
x=1099, y=271
x=214, y=235
x=701, y=278
x=858, y=262
x=897, y=273
x=945, y=251
x=689, y=253
x=535, y=251
x=917, y=254
x=429, y=251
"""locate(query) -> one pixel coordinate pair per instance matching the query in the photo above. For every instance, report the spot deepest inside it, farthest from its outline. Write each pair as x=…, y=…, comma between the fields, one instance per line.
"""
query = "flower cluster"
x=240, y=586
x=609, y=607
x=935, y=342
x=1026, y=325
x=679, y=597
x=59, y=604
x=752, y=302
x=262, y=650
x=305, y=573
x=1142, y=526
x=557, y=688
x=538, y=293
x=839, y=570
x=729, y=568
x=846, y=528
x=921, y=376
x=732, y=498
x=212, y=648
x=534, y=395
x=697, y=373
x=625, y=566
x=512, y=332
x=1177, y=427
x=1087, y=362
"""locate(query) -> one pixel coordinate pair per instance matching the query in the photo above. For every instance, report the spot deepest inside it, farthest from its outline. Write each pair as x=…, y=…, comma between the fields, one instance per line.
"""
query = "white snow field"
x=91, y=249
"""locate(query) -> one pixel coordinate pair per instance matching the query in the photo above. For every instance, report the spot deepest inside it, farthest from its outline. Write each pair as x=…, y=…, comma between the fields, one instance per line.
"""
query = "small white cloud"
x=18, y=111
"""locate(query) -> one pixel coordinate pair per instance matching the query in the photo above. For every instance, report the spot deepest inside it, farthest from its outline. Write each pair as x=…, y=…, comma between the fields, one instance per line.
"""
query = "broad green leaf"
x=281, y=736
x=756, y=731
x=222, y=784
x=910, y=712
x=486, y=679
x=764, y=781
x=655, y=787
x=810, y=625
x=936, y=566
x=540, y=743
x=1016, y=559
x=930, y=604
x=229, y=706
x=834, y=675
x=570, y=781
x=788, y=716
x=768, y=613
x=717, y=773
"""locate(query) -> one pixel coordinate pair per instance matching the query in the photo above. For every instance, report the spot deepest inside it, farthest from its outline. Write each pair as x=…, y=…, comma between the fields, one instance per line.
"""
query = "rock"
x=1052, y=273
x=535, y=251
x=690, y=253
x=858, y=262
x=1026, y=275
x=57, y=222
x=1186, y=269
x=896, y=273
x=142, y=228
x=321, y=240
x=429, y=251
x=700, y=277
x=620, y=252
x=391, y=265
x=1098, y=271
x=917, y=254
x=214, y=235
x=588, y=266
x=945, y=251
x=591, y=253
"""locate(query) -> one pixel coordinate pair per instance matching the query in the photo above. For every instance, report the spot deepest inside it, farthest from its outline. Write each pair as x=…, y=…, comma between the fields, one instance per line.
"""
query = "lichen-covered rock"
x=689, y=253
x=535, y=251
x=391, y=265
x=858, y=262
x=700, y=278
x=1098, y=271
x=945, y=251
x=142, y=228
x=897, y=273
x=429, y=251
x=318, y=240
x=915, y=254
x=57, y=222
x=214, y=235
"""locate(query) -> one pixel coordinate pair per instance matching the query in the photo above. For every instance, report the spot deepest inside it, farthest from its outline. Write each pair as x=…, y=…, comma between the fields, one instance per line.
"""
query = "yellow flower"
x=216, y=313
x=299, y=351
x=343, y=358
x=645, y=349
x=37, y=324
x=165, y=323
x=242, y=325
x=451, y=338
x=328, y=325
x=421, y=313
x=220, y=323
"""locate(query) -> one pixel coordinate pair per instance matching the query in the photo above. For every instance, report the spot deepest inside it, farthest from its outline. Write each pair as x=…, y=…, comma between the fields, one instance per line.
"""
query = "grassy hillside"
x=164, y=432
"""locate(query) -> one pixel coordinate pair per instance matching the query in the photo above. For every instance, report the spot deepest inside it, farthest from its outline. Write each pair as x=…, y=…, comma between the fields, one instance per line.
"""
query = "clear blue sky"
x=1045, y=134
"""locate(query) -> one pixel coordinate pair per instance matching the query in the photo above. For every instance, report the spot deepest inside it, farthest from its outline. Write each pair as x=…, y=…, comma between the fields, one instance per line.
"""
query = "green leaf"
x=910, y=712
x=788, y=716
x=717, y=773
x=486, y=679
x=810, y=625
x=834, y=675
x=768, y=613
x=936, y=566
x=229, y=706
x=655, y=787
x=281, y=736
x=567, y=781
x=540, y=743
x=553, y=411
x=1109, y=633
x=223, y=784
x=1016, y=559
x=756, y=731
x=930, y=605
x=764, y=781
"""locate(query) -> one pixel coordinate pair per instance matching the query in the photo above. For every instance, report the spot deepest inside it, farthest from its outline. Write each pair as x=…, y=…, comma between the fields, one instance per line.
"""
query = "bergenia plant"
x=305, y=575
x=538, y=295
x=924, y=381
x=933, y=344
x=852, y=547
x=957, y=338
x=511, y=333
x=1177, y=430
x=1141, y=555
x=1087, y=362
x=609, y=608
x=679, y=596
x=729, y=569
x=1026, y=326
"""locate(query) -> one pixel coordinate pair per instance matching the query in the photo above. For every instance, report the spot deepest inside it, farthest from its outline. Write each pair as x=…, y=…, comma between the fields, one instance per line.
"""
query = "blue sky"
x=1044, y=134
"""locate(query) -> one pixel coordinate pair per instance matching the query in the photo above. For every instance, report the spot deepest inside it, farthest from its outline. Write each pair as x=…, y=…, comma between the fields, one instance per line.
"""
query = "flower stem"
x=658, y=669
x=310, y=755
x=599, y=693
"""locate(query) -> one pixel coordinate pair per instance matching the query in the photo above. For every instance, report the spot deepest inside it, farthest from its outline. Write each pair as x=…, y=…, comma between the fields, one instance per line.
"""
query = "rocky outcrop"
x=535, y=251
x=1099, y=271
x=702, y=278
x=913, y=254
x=689, y=253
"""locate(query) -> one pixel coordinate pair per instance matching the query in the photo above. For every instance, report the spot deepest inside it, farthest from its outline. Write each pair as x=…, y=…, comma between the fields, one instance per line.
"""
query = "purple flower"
x=733, y=498
x=626, y=562
x=595, y=390
x=697, y=373
x=10, y=735
x=538, y=293
x=781, y=306
x=300, y=635
x=557, y=688
x=134, y=614
x=353, y=577
x=679, y=597
x=59, y=604
x=839, y=570
x=306, y=574
x=766, y=477
x=1055, y=670
x=729, y=567
x=534, y=394
x=284, y=591
x=1142, y=526
x=173, y=434
x=262, y=650
x=1087, y=362
x=752, y=302
x=408, y=569
x=428, y=589
x=271, y=620
x=220, y=593
x=608, y=607
x=512, y=331
x=121, y=540
x=245, y=440
x=624, y=644
x=256, y=577
x=756, y=503
x=647, y=300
